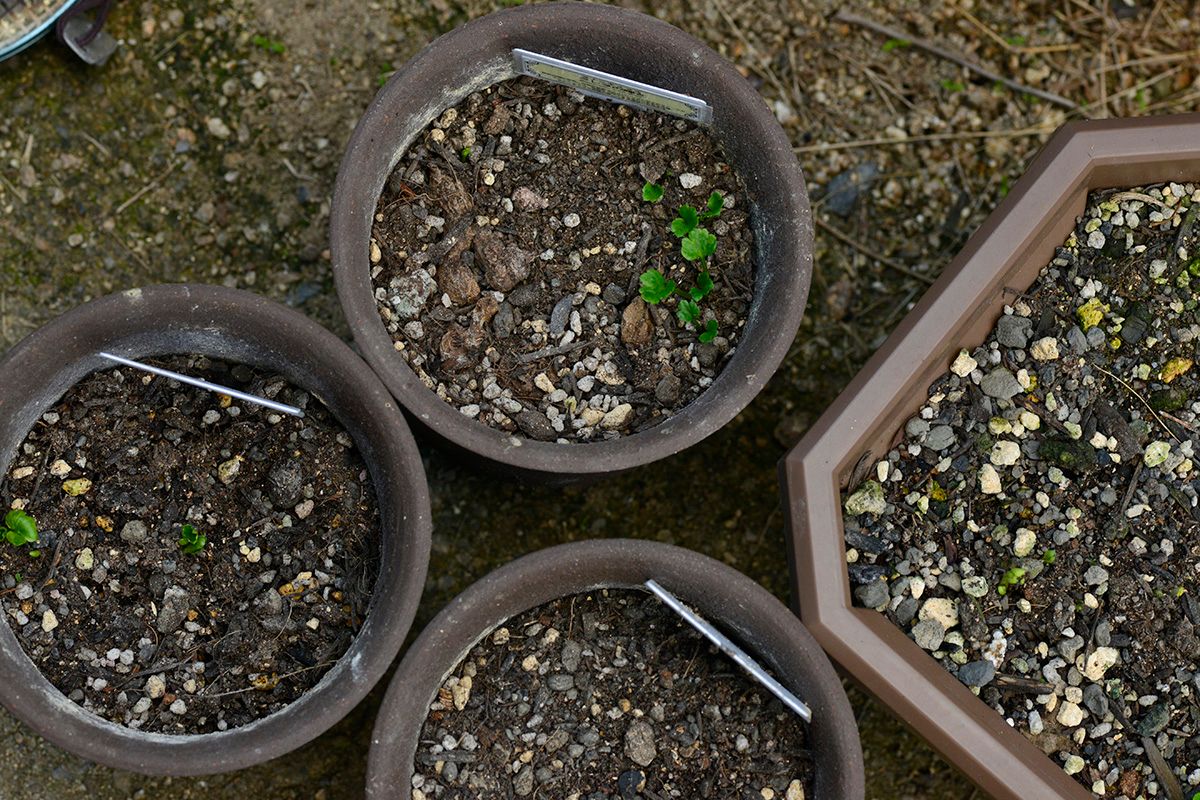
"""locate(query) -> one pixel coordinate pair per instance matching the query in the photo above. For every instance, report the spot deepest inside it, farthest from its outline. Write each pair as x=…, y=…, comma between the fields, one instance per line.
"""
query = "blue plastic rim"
x=8, y=49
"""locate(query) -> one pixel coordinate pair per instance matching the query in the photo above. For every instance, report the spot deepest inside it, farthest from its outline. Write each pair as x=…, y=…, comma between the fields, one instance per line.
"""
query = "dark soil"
x=1072, y=576
x=129, y=626
x=508, y=247
x=607, y=695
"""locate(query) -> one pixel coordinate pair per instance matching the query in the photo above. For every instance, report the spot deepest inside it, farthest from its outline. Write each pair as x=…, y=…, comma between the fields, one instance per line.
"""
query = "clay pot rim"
x=959, y=310
x=648, y=49
x=768, y=630
x=242, y=327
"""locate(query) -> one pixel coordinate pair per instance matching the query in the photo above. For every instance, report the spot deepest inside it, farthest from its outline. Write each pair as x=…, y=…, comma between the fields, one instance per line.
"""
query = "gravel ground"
x=208, y=152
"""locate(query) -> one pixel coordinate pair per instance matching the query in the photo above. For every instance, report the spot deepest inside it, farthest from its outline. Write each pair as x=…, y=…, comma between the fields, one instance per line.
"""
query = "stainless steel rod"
x=732, y=650
x=203, y=384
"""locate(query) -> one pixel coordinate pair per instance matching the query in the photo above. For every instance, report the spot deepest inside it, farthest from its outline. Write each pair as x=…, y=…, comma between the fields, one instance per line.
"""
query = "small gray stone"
x=977, y=673
x=1000, y=384
x=1095, y=575
x=915, y=427
x=929, y=633
x=1013, y=331
x=939, y=438
x=1070, y=647
x=1078, y=341
x=560, y=682
x=667, y=390
x=572, y=652
x=560, y=315
x=613, y=295
x=1096, y=700
x=873, y=595
x=134, y=532
x=535, y=425
x=172, y=610
x=285, y=482
x=639, y=742
x=1154, y=720
x=523, y=782
x=410, y=292
x=504, y=322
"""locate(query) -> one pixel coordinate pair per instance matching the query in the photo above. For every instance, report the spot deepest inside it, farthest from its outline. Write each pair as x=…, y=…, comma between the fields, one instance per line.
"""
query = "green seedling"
x=1048, y=557
x=465, y=153
x=20, y=529
x=652, y=192
x=951, y=85
x=1014, y=577
x=270, y=45
x=895, y=44
x=191, y=541
x=696, y=244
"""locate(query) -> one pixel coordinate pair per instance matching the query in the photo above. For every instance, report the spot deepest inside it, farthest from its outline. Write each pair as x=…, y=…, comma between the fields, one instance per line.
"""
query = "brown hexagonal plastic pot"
x=244, y=328
x=763, y=626
x=635, y=46
x=961, y=308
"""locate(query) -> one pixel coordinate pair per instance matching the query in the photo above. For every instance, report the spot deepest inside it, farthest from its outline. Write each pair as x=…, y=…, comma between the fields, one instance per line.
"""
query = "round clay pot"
x=635, y=46
x=239, y=327
x=767, y=630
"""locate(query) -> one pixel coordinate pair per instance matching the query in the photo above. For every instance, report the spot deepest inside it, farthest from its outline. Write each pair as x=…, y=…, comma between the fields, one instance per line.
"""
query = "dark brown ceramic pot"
x=616, y=41
x=768, y=631
x=243, y=328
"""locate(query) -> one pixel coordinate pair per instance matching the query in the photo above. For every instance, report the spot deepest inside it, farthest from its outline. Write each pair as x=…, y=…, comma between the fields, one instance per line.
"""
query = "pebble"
x=868, y=499
x=639, y=743
x=964, y=364
x=571, y=220
x=49, y=621
x=977, y=673
x=156, y=686
x=1013, y=331
x=85, y=560
x=1005, y=453
x=1024, y=542
x=942, y=609
x=1099, y=662
x=134, y=532
x=617, y=417
x=929, y=634
x=989, y=480
x=690, y=180
x=1000, y=384
x=939, y=438
x=1069, y=715
x=1045, y=349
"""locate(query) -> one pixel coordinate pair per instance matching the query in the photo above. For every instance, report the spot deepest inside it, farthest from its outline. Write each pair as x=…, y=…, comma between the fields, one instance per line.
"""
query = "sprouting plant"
x=270, y=45
x=191, y=541
x=652, y=192
x=1049, y=556
x=1013, y=577
x=696, y=244
x=951, y=85
x=465, y=153
x=893, y=44
x=20, y=529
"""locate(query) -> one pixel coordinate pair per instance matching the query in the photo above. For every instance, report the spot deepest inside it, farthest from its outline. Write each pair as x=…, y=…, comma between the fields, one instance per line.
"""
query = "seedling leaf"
x=688, y=311
x=686, y=222
x=652, y=192
x=699, y=244
x=716, y=202
x=20, y=528
x=654, y=287
x=710, y=332
x=892, y=44
x=191, y=541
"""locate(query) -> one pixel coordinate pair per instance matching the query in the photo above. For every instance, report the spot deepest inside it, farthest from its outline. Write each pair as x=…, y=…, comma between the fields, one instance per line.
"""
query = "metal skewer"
x=732, y=650
x=203, y=384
